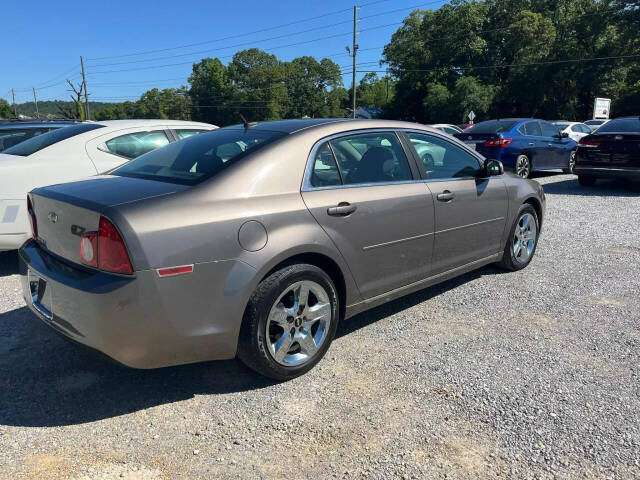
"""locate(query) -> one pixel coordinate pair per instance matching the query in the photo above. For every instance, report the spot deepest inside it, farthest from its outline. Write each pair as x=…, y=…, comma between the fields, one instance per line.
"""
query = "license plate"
x=41, y=297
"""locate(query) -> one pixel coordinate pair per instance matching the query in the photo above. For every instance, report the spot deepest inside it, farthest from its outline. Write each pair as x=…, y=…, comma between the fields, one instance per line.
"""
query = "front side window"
x=198, y=158
x=548, y=130
x=371, y=158
x=35, y=144
x=442, y=159
x=532, y=129
x=132, y=145
x=186, y=133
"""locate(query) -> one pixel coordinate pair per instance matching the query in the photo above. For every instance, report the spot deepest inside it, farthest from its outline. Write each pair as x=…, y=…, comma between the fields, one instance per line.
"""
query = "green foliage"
x=5, y=109
x=457, y=47
x=374, y=91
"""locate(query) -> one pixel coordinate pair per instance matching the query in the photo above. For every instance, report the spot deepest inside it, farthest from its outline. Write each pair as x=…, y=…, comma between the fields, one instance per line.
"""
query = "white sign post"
x=471, y=116
x=601, y=109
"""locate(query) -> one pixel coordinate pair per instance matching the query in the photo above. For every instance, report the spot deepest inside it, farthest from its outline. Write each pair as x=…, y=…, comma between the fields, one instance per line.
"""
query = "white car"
x=447, y=128
x=575, y=130
x=72, y=153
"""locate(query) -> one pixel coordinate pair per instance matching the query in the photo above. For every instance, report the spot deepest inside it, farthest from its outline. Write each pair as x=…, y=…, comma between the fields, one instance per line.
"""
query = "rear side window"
x=185, y=133
x=35, y=144
x=199, y=157
x=325, y=171
x=132, y=145
x=442, y=159
x=532, y=129
x=548, y=129
x=621, y=125
x=492, y=126
x=371, y=158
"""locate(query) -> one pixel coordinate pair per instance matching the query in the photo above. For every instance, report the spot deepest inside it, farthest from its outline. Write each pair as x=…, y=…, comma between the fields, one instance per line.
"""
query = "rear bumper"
x=143, y=321
x=607, y=172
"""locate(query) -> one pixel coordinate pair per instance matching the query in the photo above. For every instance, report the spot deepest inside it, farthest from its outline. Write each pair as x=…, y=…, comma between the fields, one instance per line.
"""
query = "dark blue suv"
x=523, y=145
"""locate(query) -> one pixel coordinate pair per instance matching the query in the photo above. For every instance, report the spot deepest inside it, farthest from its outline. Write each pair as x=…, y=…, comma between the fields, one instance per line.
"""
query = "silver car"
x=257, y=240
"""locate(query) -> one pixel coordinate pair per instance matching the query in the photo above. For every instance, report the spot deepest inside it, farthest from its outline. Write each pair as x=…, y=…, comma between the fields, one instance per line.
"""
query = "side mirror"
x=493, y=168
x=562, y=135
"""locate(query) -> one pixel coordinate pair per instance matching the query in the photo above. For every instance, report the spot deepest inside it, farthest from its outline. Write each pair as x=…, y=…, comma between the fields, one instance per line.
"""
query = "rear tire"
x=290, y=322
x=523, y=166
x=522, y=241
x=586, y=181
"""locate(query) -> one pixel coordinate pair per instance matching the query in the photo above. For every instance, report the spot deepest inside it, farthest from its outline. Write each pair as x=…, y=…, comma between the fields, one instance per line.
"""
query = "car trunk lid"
x=64, y=212
x=612, y=149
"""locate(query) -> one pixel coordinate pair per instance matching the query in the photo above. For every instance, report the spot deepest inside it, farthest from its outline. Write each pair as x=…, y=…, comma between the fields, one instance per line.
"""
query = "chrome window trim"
x=306, y=183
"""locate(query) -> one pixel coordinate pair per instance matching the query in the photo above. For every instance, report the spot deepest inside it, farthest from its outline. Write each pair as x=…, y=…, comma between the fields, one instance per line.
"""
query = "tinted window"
x=45, y=140
x=533, y=129
x=133, y=145
x=188, y=133
x=576, y=128
x=621, y=125
x=325, y=170
x=13, y=136
x=584, y=128
x=492, y=126
x=563, y=125
x=450, y=131
x=195, y=159
x=442, y=159
x=548, y=129
x=371, y=158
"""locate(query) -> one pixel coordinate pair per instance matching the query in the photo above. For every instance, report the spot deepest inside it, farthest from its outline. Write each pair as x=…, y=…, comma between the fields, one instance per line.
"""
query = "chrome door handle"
x=550, y=144
x=341, y=210
x=531, y=144
x=445, y=196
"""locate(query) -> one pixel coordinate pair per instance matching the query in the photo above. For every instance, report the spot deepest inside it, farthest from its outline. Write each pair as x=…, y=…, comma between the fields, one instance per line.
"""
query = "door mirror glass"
x=493, y=168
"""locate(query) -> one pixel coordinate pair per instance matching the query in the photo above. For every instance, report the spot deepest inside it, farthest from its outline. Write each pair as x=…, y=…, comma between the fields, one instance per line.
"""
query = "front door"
x=470, y=211
x=363, y=193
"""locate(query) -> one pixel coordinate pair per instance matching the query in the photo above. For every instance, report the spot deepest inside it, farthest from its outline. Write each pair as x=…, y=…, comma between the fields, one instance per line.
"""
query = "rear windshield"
x=492, y=126
x=621, y=125
x=45, y=140
x=197, y=158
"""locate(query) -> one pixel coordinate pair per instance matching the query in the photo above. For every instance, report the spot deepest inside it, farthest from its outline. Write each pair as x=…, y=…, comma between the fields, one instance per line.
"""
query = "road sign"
x=601, y=108
x=471, y=116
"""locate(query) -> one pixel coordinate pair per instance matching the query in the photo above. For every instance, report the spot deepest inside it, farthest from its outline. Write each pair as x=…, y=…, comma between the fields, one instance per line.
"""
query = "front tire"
x=523, y=240
x=290, y=322
x=523, y=166
x=586, y=181
x=572, y=163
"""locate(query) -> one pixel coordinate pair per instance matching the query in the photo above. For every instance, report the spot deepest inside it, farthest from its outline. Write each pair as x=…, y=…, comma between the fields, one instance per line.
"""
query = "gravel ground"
x=521, y=375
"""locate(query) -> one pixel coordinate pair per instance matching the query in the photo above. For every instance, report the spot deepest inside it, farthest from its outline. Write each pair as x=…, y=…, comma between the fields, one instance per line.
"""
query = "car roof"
x=23, y=125
x=143, y=122
x=291, y=126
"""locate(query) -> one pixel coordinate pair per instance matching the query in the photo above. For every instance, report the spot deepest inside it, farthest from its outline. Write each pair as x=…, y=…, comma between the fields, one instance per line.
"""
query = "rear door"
x=365, y=193
x=470, y=211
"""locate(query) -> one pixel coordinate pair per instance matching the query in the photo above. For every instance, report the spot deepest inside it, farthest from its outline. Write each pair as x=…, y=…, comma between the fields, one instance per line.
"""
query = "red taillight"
x=588, y=143
x=497, y=142
x=32, y=218
x=105, y=249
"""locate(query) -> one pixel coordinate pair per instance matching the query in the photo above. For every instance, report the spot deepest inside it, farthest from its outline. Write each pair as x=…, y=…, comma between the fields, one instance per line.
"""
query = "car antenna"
x=246, y=123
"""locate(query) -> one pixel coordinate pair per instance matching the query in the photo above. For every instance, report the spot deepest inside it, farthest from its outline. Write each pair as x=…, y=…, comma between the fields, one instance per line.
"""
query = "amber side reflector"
x=170, y=271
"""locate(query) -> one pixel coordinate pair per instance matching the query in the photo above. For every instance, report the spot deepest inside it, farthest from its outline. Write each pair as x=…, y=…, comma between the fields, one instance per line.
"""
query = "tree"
x=5, y=109
x=211, y=92
x=374, y=91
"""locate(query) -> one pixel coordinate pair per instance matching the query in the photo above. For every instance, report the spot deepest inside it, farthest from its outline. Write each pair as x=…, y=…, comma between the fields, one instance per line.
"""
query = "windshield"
x=621, y=125
x=45, y=140
x=197, y=158
x=492, y=126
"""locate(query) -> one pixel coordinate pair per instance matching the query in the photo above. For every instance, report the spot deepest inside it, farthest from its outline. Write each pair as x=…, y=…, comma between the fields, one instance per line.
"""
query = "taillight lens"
x=588, y=143
x=497, y=142
x=32, y=218
x=105, y=249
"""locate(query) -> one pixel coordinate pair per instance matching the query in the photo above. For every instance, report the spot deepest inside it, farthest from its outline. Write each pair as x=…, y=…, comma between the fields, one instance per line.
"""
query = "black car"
x=14, y=132
x=613, y=151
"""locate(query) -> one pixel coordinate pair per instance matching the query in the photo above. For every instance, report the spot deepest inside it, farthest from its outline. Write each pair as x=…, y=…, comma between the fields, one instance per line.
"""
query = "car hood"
x=108, y=191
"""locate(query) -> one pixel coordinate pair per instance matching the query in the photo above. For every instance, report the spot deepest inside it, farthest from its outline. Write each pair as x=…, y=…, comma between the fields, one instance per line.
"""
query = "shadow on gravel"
x=8, y=263
x=48, y=381
x=602, y=188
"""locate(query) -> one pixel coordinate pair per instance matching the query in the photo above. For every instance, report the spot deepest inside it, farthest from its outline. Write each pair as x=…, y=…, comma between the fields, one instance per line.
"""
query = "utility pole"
x=353, y=51
x=35, y=100
x=86, y=95
x=15, y=109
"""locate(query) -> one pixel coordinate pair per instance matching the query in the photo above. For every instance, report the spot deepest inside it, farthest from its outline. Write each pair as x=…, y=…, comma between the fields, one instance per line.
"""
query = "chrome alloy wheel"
x=572, y=161
x=298, y=323
x=524, y=238
x=523, y=166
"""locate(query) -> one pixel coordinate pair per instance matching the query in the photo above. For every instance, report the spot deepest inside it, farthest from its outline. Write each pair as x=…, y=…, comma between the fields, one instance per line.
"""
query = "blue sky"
x=43, y=40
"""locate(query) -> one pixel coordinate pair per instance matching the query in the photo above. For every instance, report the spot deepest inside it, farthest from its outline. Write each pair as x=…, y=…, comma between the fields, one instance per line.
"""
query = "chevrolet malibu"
x=257, y=240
